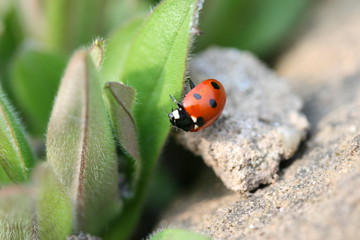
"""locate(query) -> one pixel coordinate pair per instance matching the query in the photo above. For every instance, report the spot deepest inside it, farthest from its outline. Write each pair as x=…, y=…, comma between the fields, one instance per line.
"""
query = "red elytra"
x=201, y=106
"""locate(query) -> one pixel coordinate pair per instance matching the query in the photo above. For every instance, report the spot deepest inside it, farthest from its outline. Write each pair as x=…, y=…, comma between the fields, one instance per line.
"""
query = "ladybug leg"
x=191, y=83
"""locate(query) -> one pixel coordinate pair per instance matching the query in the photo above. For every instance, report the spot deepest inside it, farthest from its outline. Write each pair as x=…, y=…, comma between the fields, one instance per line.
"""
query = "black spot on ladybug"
x=200, y=121
x=213, y=103
x=197, y=96
x=215, y=85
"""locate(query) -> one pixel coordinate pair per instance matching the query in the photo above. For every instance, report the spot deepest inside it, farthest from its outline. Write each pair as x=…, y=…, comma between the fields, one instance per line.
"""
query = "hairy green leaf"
x=40, y=211
x=80, y=145
x=17, y=213
x=156, y=66
x=120, y=100
x=35, y=77
x=178, y=234
x=116, y=50
x=16, y=158
x=53, y=205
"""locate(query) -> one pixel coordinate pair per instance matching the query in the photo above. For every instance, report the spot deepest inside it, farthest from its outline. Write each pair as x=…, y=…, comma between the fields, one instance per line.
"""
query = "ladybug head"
x=180, y=119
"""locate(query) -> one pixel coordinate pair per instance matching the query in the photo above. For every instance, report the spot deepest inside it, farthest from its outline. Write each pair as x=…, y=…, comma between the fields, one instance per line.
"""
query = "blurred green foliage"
x=34, y=81
x=260, y=26
x=11, y=36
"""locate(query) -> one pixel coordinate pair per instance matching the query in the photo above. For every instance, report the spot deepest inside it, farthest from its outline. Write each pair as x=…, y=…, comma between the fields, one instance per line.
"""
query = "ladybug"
x=201, y=106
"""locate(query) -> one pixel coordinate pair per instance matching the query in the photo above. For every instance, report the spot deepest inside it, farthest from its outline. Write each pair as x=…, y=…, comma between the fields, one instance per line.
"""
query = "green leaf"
x=80, y=145
x=41, y=211
x=54, y=209
x=96, y=52
x=259, y=25
x=16, y=213
x=120, y=100
x=178, y=234
x=116, y=50
x=155, y=66
x=35, y=77
x=11, y=35
x=16, y=158
x=55, y=12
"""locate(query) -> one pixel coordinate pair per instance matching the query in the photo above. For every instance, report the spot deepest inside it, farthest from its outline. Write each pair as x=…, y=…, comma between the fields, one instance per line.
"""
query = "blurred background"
x=37, y=38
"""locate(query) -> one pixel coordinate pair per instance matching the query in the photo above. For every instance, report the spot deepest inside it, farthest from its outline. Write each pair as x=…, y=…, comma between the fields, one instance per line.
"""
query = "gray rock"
x=316, y=195
x=260, y=126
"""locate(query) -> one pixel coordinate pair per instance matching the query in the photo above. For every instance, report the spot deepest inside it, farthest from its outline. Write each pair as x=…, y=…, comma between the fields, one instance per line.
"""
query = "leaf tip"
x=97, y=51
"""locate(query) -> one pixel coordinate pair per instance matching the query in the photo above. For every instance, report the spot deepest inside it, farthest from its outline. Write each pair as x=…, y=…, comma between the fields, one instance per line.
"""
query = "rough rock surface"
x=316, y=196
x=260, y=126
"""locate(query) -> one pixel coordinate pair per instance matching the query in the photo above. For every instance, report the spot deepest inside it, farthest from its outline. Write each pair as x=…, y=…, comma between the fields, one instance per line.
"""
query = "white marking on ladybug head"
x=176, y=114
x=194, y=119
x=196, y=126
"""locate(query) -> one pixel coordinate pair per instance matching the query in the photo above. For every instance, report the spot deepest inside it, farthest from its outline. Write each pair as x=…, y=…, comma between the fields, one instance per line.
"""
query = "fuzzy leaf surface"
x=97, y=52
x=178, y=234
x=156, y=66
x=16, y=158
x=120, y=100
x=80, y=145
x=17, y=213
x=53, y=205
x=40, y=211
x=35, y=77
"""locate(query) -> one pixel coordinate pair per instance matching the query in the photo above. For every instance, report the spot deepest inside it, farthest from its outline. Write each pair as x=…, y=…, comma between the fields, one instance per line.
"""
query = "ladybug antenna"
x=173, y=99
x=176, y=102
